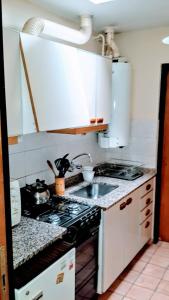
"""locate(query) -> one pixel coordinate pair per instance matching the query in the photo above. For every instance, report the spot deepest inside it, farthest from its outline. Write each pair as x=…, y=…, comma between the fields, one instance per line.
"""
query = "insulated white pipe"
x=112, y=49
x=102, y=37
x=46, y=28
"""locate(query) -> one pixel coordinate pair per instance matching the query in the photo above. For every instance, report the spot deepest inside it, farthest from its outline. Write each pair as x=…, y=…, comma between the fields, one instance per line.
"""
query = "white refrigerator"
x=57, y=282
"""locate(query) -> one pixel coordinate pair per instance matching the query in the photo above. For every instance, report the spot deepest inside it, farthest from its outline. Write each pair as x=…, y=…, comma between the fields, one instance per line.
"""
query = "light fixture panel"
x=100, y=1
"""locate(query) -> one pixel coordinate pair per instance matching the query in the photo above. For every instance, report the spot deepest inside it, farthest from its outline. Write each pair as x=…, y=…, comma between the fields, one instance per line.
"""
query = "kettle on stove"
x=37, y=193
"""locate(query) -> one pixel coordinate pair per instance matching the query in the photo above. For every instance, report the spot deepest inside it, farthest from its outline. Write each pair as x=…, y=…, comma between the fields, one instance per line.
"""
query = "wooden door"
x=164, y=206
x=4, y=292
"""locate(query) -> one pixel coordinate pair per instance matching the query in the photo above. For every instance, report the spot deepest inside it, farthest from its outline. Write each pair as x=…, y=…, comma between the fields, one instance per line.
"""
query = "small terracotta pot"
x=60, y=186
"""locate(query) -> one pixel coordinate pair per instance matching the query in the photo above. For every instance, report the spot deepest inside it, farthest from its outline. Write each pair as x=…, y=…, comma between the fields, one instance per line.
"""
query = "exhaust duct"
x=46, y=28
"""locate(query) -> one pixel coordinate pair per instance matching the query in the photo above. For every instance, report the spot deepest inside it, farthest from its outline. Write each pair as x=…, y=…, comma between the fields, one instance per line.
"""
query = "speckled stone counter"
x=125, y=187
x=30, y=237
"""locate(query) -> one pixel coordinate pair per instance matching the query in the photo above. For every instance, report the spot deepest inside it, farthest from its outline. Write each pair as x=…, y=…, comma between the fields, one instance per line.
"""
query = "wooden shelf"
x=80, y=130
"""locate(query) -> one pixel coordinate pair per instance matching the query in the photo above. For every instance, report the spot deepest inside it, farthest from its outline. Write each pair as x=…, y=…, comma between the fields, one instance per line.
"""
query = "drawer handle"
x=93, y=121
x=147, y=212
x=148, y=187
x=129, y=200
x=122, y=206
x=100, y=120
x=148, y=201
x=147, y=224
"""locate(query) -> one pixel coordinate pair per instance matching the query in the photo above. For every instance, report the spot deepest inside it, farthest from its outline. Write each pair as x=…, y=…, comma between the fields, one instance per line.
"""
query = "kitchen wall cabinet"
x=64, y=84
x=12, y=81
x=125, y=229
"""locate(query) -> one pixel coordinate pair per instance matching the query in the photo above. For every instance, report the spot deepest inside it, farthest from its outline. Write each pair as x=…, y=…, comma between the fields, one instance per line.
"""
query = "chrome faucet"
x=78, y=166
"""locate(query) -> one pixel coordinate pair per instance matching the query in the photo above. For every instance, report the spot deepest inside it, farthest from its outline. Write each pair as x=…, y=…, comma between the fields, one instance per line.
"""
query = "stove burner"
x=73, y=207
x=54, y=219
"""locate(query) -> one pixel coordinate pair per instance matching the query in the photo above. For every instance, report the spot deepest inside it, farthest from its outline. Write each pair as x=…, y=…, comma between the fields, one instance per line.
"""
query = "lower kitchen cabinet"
x=111, y=246
x=131, y=237
x=125, y=228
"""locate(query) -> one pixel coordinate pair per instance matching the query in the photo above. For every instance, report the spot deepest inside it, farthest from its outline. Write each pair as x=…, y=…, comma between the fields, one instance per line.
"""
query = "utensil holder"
x=60, y=186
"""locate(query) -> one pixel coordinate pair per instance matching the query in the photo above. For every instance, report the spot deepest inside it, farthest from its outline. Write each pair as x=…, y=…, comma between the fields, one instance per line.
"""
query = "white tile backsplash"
x=28, y=158
x=142, y=144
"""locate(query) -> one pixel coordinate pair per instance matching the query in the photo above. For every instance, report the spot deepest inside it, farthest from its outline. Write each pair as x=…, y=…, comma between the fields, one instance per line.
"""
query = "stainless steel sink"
x=94, y=190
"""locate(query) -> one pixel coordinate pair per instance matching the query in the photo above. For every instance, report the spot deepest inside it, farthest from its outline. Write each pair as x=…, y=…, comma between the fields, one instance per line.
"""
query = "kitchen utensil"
x=51, y=167
x=37, y=193
x=62, y=165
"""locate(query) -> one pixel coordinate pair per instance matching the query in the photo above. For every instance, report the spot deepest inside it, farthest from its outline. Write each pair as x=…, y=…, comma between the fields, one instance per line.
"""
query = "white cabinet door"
x=87, y=62
x=12, y=81
x=132, y=227
x=113, y=229
x=55, y=79
x=104, y=88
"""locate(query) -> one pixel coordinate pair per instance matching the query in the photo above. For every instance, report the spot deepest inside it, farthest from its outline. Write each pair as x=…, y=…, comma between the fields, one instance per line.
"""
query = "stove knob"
x=82, y=224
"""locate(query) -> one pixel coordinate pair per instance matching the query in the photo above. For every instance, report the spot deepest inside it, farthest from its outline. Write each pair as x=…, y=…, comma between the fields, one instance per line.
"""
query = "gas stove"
x=59, y=211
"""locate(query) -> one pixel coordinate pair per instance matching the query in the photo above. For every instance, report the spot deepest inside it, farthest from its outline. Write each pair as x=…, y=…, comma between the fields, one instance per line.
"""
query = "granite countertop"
x=30, y=237
x=125, y=187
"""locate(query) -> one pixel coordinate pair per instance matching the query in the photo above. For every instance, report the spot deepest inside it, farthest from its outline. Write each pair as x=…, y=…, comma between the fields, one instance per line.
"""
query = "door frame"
x=6, y=231
x=163, y=87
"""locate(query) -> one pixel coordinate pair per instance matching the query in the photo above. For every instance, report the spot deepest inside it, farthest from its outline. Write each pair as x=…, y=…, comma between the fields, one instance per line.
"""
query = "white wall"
x=28, y=158
x=146, y=54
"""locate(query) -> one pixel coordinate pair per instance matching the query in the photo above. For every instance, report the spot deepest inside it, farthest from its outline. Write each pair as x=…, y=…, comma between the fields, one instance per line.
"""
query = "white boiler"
x=117, y=133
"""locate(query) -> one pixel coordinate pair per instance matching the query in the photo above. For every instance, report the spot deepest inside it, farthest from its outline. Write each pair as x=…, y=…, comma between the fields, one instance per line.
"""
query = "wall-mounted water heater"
x=118, y=131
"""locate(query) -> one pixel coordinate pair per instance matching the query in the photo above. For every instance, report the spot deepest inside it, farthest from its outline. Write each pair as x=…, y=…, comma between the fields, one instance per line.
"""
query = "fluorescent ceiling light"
x=100, y=1
x=166, y=40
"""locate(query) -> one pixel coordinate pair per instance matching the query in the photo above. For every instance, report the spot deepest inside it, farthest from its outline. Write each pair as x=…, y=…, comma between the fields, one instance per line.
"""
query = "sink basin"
x=94, y=190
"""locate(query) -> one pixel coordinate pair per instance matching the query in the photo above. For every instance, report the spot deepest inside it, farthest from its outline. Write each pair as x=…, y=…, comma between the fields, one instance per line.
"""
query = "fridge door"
x=56, y=282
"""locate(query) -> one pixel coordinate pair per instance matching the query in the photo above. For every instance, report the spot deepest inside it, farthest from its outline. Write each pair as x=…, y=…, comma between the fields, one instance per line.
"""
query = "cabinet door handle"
x=93, y=121
x=148, y=187
x=100, y=120
x=147, y=212
x=122, y=206
x=129, y=200
x=147, y=224
x=148, y=201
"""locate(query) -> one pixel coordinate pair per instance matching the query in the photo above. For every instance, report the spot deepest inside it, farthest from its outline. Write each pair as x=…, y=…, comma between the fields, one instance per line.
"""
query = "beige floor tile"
x=148, y=282
x=139, y=266
x=162, y=252
x=115, y=296
x=164, y=245
x=159, y=296
x=152, y=249
x=145, y=257
x=130, y=276
x=154, y=271
x=163, y=287
x=139, y=293
x=122, y=288
x=126, y=298
x=160, y=261
x=166, y=275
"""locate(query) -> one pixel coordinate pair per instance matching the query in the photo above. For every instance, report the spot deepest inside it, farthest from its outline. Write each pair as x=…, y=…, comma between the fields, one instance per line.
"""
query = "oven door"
x=87, y=268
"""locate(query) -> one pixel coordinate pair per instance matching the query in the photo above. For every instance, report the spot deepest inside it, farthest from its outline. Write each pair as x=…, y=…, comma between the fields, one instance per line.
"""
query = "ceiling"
x=125, y=14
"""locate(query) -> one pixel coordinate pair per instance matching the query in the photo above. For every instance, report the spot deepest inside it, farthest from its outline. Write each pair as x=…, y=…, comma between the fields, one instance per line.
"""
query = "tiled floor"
x=147, y=276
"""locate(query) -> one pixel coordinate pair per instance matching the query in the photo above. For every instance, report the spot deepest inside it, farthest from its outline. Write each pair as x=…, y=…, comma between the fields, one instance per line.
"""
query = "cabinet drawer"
x=145, y=231
x=147, y=187
x=146, y=200
x=146, y=212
